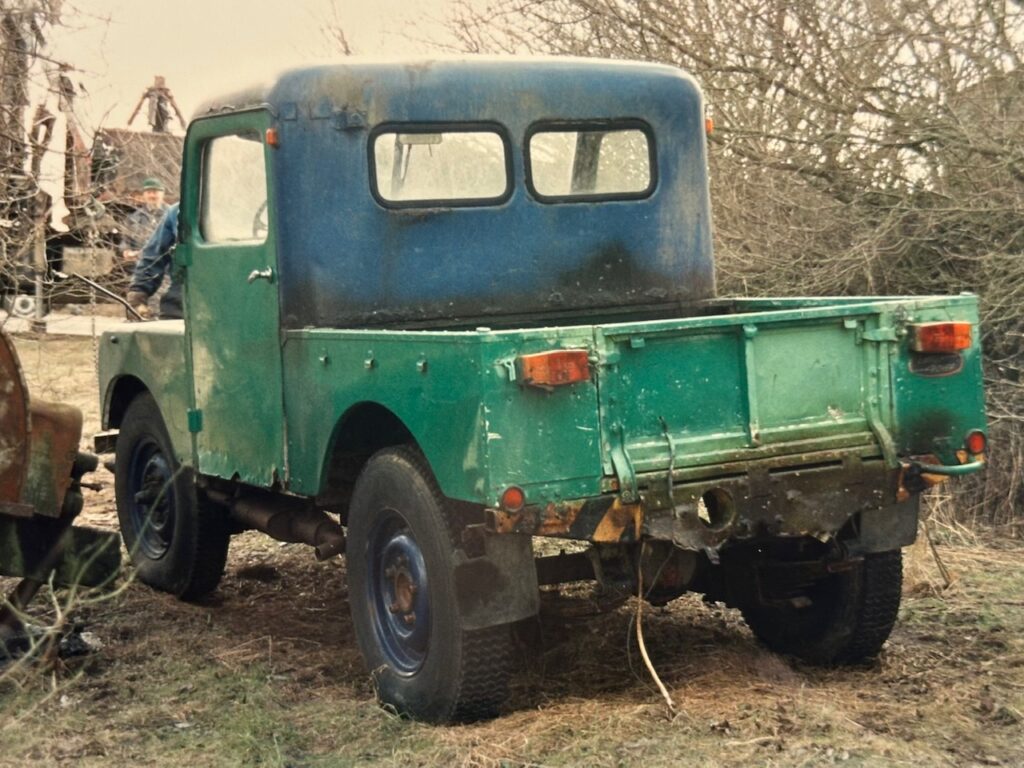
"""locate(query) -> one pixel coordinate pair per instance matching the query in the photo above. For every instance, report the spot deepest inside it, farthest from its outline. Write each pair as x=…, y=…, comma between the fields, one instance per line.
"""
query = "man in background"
x=154, y=263
x=143, y=220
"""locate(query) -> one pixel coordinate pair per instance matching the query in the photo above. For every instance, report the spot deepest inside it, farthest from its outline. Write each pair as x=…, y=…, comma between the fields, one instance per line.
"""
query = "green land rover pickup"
x=435, y=309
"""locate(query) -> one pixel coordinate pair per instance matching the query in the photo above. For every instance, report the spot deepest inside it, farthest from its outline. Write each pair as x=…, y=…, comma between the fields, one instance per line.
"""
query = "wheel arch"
x=360, y=432
x=119, y=396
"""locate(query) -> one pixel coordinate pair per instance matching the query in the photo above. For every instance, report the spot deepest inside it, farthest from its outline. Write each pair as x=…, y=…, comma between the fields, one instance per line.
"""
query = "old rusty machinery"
x=41, y=472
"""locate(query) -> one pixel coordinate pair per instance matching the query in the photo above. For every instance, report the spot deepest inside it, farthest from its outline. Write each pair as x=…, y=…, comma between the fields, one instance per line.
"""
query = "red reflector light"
x=513, y=499
x=940, y=337
x=553, y=369
x=975, y=442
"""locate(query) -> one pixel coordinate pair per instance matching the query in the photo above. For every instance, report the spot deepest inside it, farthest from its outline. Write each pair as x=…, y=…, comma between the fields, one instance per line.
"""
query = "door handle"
x=267, y=273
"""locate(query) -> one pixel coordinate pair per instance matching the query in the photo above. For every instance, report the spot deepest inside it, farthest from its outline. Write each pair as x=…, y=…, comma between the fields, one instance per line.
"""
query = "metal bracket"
x=623, y=467
x=880, y=334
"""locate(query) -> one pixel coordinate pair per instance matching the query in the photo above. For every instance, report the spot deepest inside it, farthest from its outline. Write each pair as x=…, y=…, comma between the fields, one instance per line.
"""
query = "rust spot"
x=920, y=481
x=14, y=423
x=617, y=520
x=505, y=522
x=558, y=518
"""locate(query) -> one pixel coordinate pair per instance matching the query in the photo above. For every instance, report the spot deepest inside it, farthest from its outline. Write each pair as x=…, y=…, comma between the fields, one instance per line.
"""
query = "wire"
x=640, y=634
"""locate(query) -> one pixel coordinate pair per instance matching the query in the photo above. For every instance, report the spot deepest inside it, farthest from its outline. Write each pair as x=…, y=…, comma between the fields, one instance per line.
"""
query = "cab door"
x=227, y=248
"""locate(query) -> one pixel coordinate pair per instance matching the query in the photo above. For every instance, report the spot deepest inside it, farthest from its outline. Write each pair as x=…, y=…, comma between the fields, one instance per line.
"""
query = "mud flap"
x=499, y=586
x=888, y=528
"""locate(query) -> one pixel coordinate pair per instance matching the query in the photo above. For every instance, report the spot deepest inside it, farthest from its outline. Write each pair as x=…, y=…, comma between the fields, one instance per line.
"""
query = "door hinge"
x=181, y=257
x=195, y=420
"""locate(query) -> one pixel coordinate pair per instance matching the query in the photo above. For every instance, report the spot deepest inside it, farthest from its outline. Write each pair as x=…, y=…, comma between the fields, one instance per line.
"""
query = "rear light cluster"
x=940, y=337
x=554, y=369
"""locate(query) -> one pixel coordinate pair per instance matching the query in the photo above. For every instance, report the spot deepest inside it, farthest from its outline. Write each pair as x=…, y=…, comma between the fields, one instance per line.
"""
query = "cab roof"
x=472, y=87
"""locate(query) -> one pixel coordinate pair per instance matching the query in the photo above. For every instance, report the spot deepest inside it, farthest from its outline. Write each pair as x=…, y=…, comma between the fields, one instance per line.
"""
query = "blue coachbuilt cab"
x=435, y=309
x=440, y=145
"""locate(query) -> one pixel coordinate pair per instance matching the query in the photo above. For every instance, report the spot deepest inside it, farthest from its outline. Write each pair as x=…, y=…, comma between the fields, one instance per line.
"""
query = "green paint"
x=152, y=354
x=232, y=321
x=812, y=377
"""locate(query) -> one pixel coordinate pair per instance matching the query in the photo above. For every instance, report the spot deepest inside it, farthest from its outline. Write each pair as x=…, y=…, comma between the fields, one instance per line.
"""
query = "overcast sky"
x=203, y=47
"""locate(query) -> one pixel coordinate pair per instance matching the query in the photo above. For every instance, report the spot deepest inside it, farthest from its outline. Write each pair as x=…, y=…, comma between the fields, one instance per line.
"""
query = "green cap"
x=152, y=183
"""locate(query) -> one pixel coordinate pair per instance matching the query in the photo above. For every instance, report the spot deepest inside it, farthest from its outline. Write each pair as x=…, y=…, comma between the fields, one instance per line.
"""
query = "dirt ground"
x=267, y=672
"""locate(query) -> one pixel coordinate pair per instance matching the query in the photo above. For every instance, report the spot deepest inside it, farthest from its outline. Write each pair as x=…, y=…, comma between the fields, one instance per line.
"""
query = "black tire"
x=177, y=544
x=400, y=554
x=848, y=619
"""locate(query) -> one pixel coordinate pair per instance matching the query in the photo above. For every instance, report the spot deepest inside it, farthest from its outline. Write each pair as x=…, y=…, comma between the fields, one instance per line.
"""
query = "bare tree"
x=859, y=147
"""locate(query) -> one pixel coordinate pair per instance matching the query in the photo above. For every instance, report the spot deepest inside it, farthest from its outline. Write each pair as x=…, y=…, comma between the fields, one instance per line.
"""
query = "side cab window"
x=233, y=197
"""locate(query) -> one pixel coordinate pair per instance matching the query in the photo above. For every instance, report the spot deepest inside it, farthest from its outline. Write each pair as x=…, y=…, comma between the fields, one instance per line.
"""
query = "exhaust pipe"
x=293, y=520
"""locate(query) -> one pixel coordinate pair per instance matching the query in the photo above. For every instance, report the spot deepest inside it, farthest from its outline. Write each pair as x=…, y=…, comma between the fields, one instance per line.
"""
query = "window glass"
x=590, y=162
x=442, y=166
x=234, y=195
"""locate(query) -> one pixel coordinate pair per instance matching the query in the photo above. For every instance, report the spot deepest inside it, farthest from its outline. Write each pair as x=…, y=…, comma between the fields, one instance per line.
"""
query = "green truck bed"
x=775, y=383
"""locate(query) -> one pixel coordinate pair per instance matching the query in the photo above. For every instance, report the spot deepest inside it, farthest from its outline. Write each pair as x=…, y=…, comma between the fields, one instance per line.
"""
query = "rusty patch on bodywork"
x=814, y=500
x=554, y=519
x=56, y=431
x=619, y=520
x=912, y=482
x=40, y=494
x=605, y=519
x=14, y=424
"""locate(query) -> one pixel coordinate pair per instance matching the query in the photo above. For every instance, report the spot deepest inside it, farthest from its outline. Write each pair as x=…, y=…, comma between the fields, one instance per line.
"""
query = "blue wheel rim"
x=399, y=593
x=151, y=499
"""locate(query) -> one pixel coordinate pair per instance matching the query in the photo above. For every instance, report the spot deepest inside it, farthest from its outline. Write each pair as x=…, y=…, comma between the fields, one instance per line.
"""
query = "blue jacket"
x=141, y=223
x=155, y=261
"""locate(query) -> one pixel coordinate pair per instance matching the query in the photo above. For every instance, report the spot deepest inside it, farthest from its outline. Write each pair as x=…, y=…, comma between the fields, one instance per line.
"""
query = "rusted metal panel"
x=56, y=432
x=14, y=423
x=40, y=494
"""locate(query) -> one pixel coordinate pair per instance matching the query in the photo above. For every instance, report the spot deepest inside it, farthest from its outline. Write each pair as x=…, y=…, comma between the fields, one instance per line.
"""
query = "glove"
x=137, y=300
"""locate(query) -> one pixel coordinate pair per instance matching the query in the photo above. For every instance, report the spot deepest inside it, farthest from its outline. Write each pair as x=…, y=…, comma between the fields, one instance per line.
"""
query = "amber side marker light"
x=273, y=139
x=940, y=337
x=554, y=369
x=975, y=442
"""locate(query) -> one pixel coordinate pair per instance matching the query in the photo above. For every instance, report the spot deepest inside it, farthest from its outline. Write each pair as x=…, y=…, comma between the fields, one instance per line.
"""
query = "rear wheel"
x=402, y=593
x=835, y=618
x=177, y=544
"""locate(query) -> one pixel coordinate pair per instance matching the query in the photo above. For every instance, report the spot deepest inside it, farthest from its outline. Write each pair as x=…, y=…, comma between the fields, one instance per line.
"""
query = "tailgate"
x=714, y=390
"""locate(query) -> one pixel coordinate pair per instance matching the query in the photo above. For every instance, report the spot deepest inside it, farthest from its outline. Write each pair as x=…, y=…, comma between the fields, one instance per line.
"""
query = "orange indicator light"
x=555, y=368
x=940, y=337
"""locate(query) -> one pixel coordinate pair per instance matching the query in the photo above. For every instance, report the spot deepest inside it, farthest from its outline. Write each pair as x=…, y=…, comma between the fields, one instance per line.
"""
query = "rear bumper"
x=812, y=500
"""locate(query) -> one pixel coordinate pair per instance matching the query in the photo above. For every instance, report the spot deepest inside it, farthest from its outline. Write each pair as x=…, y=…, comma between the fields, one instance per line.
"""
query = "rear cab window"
x=590, y=161
x=448, y=165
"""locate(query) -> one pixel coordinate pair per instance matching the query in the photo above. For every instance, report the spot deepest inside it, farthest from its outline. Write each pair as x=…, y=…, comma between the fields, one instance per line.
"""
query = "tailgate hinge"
x=623, y=467
x=880, y=334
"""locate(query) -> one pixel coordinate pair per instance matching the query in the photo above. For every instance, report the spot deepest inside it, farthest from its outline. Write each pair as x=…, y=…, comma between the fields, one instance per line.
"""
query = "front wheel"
x=402, y=593
x=837, y=618
x=177, y=544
